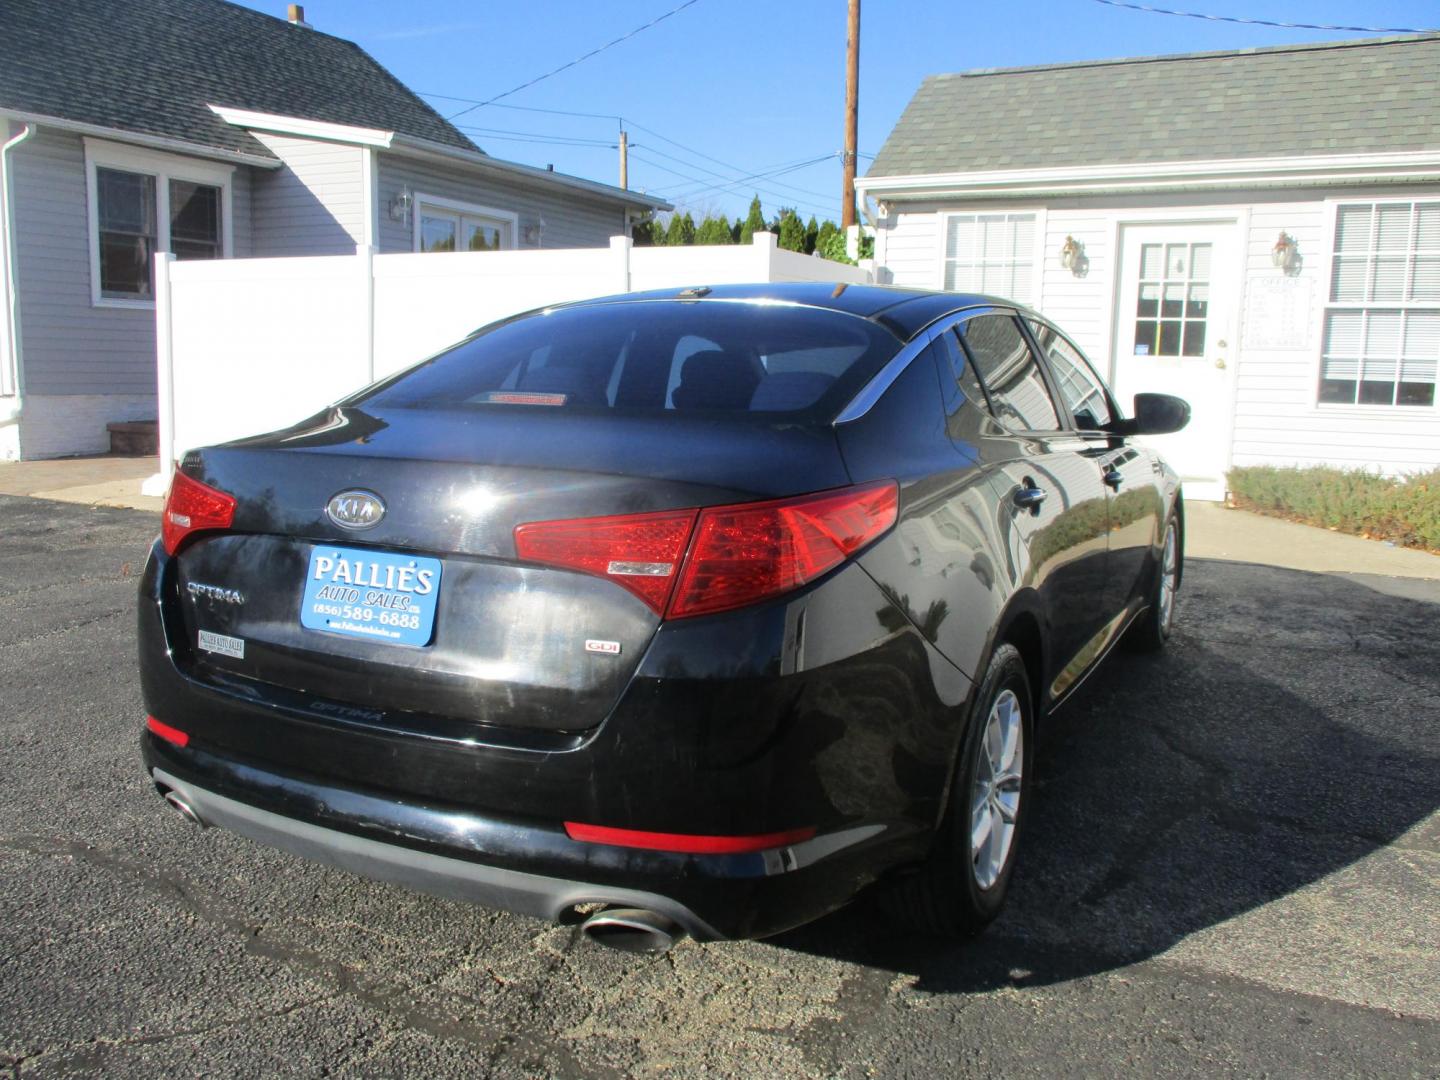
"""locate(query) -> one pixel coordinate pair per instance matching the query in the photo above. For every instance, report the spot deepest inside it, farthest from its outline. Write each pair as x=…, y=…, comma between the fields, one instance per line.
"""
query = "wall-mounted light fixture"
x=535, y=232
x=400, y=205
x=1073, y=257
x=1285, y=255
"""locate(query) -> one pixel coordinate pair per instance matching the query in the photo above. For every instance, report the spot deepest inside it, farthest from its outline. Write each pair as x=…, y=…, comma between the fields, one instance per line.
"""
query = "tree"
x=792, y=231
x=647, y=233
x=680, y=231
x=812, y=235
x=754, y=222
x=713, y=230
x=824, y=240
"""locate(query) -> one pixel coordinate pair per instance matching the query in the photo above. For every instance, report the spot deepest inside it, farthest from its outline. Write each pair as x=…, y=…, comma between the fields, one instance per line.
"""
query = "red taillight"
x=685, y=843
x=192, y=507
x=166, y=732
x=739, y=554
x=742, y=554
x=640, y=552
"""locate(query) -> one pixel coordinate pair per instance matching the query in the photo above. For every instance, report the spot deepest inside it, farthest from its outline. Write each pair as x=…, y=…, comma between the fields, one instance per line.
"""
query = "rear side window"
x=1079, y=385
x=1018, y=394
x=655, y=357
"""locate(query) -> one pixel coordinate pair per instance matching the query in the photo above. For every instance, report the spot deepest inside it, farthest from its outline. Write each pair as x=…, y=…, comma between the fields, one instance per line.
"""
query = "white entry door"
x=1175, y=330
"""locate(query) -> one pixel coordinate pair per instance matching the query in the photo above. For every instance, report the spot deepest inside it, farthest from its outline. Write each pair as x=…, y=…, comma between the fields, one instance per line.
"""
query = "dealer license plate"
x=371, y=594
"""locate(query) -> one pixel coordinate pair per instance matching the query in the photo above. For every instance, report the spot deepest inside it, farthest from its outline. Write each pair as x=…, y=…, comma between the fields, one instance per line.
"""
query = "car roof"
x=903, y=312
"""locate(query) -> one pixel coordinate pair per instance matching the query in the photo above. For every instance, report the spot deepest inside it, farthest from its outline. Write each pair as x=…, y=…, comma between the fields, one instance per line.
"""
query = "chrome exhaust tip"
x=182, y=804
x=632, y=930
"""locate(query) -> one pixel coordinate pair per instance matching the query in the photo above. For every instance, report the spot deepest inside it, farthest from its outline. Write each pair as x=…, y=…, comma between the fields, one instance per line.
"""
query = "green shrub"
x=1405, y=510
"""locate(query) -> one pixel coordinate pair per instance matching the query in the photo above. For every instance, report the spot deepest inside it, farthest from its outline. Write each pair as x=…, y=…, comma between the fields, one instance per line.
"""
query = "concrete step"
x=136, y=438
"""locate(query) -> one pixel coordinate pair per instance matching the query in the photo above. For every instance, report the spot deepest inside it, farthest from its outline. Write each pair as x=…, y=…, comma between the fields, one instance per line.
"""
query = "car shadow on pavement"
x=1291, y=729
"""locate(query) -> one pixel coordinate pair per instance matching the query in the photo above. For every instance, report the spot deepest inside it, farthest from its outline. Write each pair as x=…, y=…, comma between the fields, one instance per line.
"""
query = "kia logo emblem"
x=355, y=510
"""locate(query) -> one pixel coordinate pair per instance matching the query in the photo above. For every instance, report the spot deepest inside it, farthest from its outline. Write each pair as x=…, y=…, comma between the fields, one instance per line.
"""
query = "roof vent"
x=297, y=16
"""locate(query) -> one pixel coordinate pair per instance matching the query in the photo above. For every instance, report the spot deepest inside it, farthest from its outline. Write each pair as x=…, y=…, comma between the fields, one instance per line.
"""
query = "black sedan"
x=678, y=612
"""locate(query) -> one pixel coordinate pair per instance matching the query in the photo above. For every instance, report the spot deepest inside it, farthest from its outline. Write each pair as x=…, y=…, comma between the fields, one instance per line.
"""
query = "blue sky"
x=726, y=89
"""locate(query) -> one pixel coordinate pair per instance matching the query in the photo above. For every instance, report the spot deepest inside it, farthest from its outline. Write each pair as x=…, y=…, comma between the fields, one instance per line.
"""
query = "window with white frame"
x=446, y=225
x=1381, y=343
x=143, y=202
x=991, y=253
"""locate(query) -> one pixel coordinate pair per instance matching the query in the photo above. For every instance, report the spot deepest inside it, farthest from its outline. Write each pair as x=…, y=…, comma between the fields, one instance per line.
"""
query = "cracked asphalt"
x=1231, y=869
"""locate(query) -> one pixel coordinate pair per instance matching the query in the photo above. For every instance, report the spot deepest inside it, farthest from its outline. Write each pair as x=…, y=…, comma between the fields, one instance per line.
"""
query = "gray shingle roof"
x=153, y=66
x=1373, y=95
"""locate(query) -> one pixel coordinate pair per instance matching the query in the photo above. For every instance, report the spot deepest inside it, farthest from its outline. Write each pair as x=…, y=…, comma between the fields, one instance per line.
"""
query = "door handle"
x=1220, y=363
x=1113, y=477
x=1030, y=497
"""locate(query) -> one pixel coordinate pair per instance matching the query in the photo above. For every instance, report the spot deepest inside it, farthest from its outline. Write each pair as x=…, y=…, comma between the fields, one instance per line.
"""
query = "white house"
x=133, y=128
x=1256, y=231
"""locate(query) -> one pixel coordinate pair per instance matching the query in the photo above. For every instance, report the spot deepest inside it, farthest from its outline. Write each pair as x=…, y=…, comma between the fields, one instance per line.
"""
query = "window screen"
x=991, y=253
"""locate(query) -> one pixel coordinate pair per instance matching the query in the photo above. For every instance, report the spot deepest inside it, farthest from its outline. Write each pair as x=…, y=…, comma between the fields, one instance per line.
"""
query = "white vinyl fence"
x=251, y=345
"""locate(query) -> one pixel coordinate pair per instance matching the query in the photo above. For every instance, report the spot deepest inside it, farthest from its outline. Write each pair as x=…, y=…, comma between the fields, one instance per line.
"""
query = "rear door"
x=1052, y=502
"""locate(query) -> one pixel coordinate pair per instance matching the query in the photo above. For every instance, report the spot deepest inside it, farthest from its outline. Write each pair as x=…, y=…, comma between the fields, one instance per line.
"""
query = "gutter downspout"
x=11, y=414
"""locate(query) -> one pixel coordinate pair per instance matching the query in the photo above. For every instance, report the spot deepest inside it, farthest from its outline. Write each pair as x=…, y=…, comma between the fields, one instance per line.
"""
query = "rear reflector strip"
x=166, y=732
x=685, y=843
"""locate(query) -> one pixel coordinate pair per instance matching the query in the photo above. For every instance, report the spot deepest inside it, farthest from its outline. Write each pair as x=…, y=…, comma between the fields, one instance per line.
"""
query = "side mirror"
x=1155, y=414
x=1160, y=414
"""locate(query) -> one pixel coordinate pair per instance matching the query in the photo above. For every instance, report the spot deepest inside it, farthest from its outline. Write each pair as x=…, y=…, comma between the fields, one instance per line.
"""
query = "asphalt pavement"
x=1231, y=869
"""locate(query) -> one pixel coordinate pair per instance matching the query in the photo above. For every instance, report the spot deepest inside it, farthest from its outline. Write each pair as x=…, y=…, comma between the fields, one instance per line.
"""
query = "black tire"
x=1151, y=631
x=946, y=896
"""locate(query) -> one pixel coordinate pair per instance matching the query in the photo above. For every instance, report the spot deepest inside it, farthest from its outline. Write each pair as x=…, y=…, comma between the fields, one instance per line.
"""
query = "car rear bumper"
x=524, y=867
x=441, y=875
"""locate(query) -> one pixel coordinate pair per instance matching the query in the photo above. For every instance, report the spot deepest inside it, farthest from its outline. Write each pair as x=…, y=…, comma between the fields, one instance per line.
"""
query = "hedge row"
x=1406, y=510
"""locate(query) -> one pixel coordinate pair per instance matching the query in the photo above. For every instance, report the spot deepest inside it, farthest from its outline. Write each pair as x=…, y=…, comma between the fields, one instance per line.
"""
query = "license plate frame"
x=380, y=596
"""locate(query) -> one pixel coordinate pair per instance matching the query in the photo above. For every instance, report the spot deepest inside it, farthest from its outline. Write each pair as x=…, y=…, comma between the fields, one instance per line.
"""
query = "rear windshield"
x=717, y=357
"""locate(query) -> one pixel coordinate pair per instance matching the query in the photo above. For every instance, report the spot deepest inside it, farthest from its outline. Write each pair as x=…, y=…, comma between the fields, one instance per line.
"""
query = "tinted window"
x=1008, y=369
x=965, y=403
x=1078, y=383
x=716, y=357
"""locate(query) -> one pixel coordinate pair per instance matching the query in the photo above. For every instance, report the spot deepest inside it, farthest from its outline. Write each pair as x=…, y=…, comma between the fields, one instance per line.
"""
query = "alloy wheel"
x=995, y=798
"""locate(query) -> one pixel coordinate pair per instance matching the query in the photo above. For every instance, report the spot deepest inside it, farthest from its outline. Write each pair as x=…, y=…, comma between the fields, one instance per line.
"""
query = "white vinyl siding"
x=1275, y=418
x=907, y=247
x=570, y=218
x=991, y=253
x=70, y=346
x=315, y=203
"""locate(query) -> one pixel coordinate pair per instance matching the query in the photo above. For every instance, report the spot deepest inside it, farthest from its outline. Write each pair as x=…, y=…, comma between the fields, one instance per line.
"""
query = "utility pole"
x=624, y=161
x=852, y=110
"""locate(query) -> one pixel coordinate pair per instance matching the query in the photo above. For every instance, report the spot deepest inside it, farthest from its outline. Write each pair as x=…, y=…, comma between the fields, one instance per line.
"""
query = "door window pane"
x=1079, y=385
x=1008, y=369
x=125, y=203
x=194, y=220
x=1173, y=301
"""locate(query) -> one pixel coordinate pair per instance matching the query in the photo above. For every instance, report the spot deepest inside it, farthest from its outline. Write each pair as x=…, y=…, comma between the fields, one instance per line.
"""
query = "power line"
x=522, y=108
x=1265, y=22
x=636, y=126
x=722, y=176
x=746, y=181
x=579, y=59
x=538, y=136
